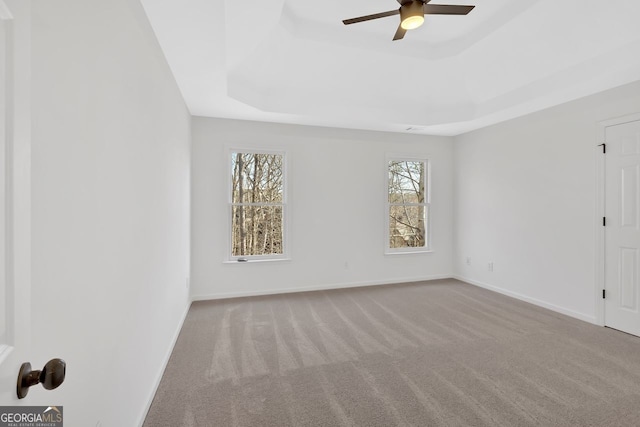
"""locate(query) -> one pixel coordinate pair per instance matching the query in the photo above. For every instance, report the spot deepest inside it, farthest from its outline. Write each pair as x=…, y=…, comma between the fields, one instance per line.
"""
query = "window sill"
x=256, y=261
x=426, y=251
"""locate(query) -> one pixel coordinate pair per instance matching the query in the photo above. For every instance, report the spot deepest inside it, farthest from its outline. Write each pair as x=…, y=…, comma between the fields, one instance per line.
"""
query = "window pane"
x=256, y=178
x=257, y=230
x=406, y=227
x=406, y=181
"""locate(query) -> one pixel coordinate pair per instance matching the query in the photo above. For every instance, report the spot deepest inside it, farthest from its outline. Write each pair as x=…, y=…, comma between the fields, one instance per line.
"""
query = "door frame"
x=601, y=170
x=16, y=15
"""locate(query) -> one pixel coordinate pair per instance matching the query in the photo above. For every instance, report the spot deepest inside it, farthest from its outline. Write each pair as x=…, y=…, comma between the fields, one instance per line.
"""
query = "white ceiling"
x=294, y=61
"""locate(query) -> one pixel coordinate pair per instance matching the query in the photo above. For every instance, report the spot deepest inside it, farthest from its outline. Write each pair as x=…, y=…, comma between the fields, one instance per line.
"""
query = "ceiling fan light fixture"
x=411, y=15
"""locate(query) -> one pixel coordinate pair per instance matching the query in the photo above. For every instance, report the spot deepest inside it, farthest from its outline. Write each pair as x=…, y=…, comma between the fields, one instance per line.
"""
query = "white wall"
x=337, y=198
x=525, y=199
x=111, y=141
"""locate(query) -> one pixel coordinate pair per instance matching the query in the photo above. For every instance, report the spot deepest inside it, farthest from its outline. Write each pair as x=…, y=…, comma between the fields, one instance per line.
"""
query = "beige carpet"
x=439, y=353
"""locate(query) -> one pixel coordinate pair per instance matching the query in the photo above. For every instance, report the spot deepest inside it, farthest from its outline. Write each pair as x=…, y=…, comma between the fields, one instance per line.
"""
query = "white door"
x=15, y=204
x=622, y=230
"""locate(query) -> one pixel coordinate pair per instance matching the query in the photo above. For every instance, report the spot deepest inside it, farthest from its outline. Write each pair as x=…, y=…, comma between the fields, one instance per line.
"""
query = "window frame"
x=388, y=250
x=237, y=259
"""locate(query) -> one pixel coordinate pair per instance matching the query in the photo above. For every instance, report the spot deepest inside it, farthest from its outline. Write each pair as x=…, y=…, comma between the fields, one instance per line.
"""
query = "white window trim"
x=403, y=251
x=230, y=258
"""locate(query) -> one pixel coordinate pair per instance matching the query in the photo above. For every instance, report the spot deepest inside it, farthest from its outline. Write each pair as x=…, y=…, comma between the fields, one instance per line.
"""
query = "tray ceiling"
x=295, y=62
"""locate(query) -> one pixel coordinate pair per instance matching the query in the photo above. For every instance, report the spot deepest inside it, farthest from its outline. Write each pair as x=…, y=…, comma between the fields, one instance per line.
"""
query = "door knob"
x=51, y=376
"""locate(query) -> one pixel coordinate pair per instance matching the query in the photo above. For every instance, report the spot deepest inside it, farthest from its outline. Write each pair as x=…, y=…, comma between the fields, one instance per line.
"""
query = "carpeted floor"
x=439, y=353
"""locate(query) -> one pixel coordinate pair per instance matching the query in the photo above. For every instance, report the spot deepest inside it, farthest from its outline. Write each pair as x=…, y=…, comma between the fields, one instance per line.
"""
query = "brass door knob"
x=51, y=376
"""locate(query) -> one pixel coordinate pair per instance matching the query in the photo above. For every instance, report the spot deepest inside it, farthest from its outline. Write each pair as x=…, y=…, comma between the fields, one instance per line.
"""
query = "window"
x=407, y=205
x=257, y=206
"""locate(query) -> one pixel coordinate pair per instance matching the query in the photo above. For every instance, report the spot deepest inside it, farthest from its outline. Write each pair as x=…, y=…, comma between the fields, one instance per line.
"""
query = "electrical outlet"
x=468, y=260
x=490, y=266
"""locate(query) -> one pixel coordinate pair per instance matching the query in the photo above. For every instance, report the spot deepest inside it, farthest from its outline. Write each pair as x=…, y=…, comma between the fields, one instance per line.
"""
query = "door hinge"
x=604, y=293
x=604, y=147
x=604, y=221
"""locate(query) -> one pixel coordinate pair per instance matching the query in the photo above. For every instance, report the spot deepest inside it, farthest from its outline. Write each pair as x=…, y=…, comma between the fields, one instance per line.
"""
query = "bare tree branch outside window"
x=407, y=204
x=257, y=204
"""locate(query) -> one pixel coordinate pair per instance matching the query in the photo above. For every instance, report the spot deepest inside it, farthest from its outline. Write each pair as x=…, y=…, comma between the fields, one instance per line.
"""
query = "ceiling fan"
x=412, y=14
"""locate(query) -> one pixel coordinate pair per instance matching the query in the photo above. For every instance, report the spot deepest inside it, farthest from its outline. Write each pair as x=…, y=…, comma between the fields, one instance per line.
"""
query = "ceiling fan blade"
x=400, y=33
x=370, y=17
x=447, y=9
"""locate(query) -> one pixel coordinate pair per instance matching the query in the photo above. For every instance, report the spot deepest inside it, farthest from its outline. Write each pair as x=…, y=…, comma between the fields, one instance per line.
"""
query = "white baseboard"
x=253, y=293
x=165, y=361
x=534, y=301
